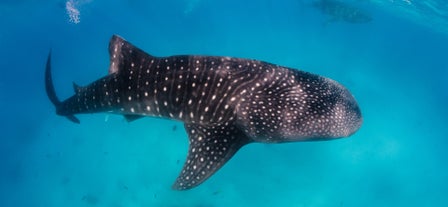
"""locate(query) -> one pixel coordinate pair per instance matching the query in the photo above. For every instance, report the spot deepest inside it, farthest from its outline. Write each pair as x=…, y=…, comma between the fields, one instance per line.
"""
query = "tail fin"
x=51, y=93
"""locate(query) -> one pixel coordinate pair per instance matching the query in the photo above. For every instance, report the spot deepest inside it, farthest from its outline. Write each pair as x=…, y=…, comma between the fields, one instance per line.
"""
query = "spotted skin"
x=210, y=147
x=225, y=103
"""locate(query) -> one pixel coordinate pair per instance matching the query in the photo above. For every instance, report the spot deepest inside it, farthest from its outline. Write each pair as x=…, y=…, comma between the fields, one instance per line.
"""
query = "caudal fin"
x=51, y=93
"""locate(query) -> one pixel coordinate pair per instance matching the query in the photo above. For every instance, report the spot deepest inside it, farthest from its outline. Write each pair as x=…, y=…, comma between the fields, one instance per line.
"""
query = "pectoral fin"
x=210, y=148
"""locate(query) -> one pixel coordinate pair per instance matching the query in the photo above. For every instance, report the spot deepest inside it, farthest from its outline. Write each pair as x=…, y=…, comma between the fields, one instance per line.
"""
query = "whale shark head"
x=299, y=106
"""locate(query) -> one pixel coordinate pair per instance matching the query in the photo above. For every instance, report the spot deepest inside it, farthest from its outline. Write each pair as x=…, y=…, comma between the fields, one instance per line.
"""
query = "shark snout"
x=348, y=111
x=353, y=115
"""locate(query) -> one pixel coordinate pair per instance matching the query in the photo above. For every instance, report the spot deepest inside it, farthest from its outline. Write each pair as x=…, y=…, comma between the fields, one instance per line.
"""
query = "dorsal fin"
x=125, y=57
x=210, y=148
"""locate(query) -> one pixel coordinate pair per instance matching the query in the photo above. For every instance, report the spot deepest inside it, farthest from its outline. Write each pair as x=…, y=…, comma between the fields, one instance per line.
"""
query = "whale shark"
x=225, y=103
x=342, y=11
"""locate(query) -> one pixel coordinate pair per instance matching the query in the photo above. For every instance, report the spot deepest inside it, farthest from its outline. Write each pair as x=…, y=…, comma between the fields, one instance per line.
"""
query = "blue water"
x=396, y=66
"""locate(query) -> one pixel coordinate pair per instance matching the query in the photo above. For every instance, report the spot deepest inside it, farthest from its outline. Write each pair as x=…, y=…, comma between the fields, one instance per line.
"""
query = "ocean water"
x=392, y=55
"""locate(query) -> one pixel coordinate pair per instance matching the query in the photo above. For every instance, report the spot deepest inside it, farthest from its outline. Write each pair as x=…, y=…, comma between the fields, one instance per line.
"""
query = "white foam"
x=72, y=11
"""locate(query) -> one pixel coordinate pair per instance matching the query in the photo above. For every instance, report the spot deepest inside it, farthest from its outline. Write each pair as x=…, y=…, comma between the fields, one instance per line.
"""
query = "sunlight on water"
x=431, y=13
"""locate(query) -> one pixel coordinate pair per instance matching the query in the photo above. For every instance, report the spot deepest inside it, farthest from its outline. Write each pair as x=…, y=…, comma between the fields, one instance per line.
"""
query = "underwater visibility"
x=194, y=103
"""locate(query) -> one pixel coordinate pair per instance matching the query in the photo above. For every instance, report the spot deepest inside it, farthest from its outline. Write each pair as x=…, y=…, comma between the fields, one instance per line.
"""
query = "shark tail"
x=51, y=93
